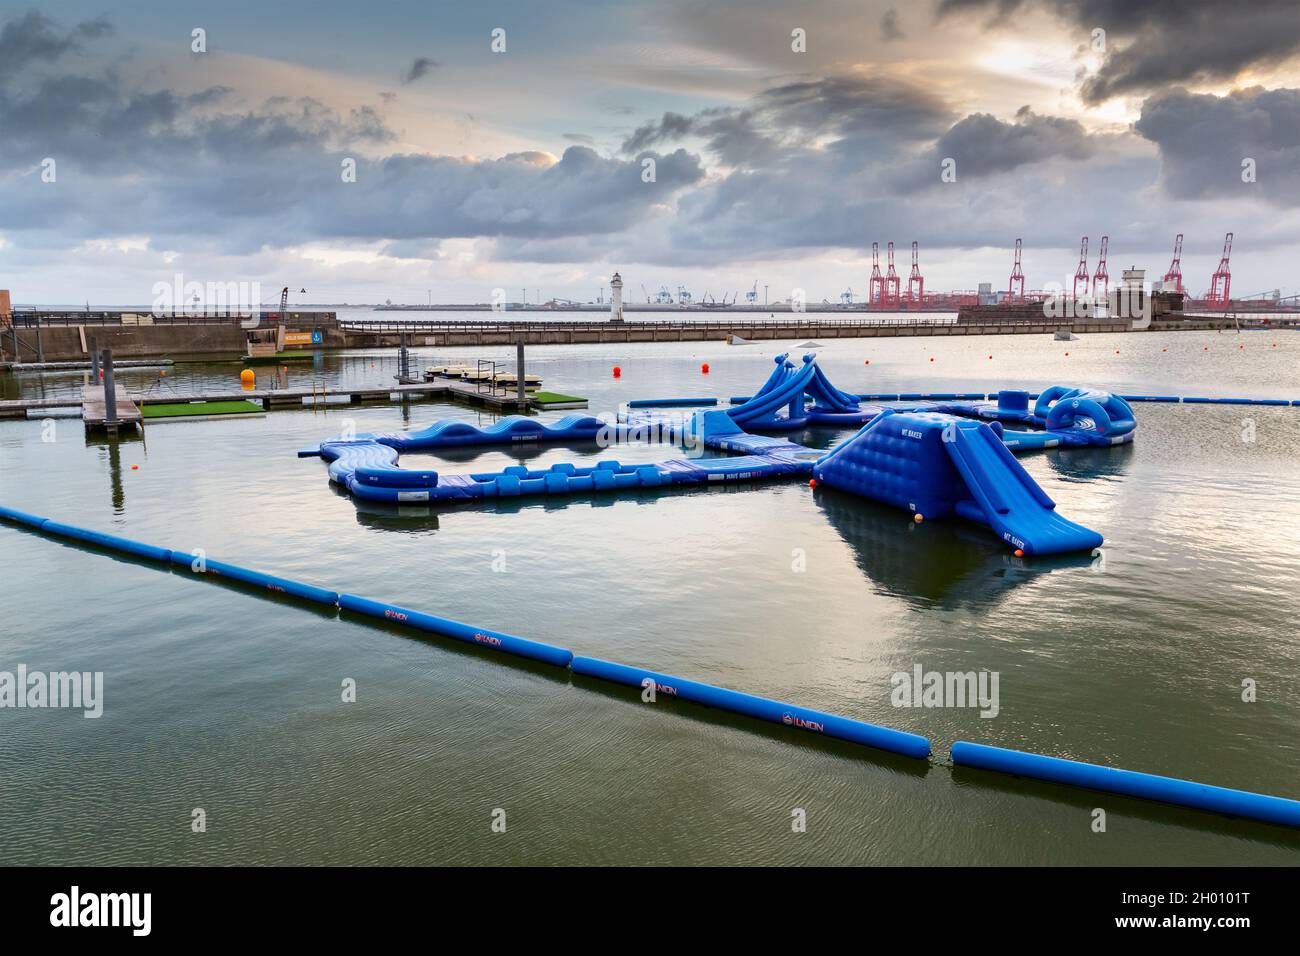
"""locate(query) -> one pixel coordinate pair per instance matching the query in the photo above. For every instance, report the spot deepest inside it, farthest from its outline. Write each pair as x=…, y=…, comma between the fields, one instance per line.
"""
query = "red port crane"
x=1081, y=273
x=876, y=290
x=1016, y=287
x=1101, y=277
x=1175, y=273
x=1221, y=281
x=915, y=281
x=892, y=281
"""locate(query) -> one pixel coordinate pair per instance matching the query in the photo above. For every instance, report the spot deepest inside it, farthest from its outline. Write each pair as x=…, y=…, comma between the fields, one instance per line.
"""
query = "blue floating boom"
x=495, y=640
x=112, y=542
x=22, y=517
x=670, y=402
x=1202, y=796
x=269, y=581
x=814, y=721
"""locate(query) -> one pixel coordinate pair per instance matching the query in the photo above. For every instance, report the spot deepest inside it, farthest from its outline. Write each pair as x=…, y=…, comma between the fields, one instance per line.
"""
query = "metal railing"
x=37, y=318
x=554, y=325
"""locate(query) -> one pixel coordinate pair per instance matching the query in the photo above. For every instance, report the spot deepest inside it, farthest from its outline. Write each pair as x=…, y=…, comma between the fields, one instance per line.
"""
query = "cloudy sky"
x=526, y=167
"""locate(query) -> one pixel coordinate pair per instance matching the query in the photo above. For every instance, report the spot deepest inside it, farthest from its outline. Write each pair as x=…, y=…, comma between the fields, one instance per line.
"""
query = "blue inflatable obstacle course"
x=1063, y=416
x=1237, y=803
x=510, y=430
x=789, y=387
x=942, y=466
x=967, y=473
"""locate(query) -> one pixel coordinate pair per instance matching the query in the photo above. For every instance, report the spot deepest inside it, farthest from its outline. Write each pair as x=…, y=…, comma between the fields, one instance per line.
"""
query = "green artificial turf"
x=551, y=398
x=184, y=409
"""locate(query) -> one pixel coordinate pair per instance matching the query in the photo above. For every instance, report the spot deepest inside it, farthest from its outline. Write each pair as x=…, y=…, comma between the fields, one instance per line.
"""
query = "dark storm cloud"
x=35, y=39
x=984, y=145
x=1203, y=140
x=419, y=68
x=191, y=166
x=1154, y=43
x=847, y=107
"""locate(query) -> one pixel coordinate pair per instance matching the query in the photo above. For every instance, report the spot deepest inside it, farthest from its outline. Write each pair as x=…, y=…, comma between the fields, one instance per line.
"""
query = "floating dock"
x=94, y=410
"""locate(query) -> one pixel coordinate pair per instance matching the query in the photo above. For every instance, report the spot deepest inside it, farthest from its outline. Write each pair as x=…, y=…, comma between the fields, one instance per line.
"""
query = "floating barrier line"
x=1187, y=793
x=1240, y=803
x=670, y=402
x=815, y=721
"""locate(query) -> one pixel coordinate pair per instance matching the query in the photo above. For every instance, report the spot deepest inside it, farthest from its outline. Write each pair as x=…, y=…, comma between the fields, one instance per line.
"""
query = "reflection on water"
x=941, y=564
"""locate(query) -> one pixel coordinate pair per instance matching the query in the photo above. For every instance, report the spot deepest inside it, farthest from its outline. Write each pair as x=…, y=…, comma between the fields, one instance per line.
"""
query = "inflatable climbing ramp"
x=942, y=466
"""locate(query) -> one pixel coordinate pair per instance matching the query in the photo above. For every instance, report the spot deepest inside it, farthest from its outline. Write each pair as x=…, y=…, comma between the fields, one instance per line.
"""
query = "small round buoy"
x=162, y=374
x=1207, y=348
x=1020, y=553
x=248, y=376
x=990, y=356
x=931, y=358
x=812, y=482
x=867, y=362
x=1164, y=350
x=704, y=369
x=918, y=518
x=1117, y=351
x=617, y=371
x=135, y=467
x=1067, y=354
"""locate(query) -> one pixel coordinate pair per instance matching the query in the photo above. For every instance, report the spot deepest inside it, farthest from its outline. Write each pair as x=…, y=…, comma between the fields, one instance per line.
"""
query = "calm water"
x=221, y=698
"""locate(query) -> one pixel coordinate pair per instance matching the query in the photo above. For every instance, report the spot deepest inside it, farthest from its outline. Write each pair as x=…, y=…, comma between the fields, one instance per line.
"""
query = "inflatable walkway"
x=942, y=466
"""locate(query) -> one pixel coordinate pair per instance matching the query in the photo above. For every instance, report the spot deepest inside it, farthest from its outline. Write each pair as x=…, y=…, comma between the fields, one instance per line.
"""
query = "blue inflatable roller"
x=814, y=721
x=112, y=542
x=1237, y=803
x=22, y=517
x=480, y=636
x=670, y=402
x=269, y=581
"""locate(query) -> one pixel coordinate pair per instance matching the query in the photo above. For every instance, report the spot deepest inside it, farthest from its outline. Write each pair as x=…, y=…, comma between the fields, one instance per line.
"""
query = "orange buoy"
x=867, y=362
x=931, y=358
x=247, y=376
x=704, y=369
x=1019, y=553
x=617, y=371
x=990, y=356
x=812, y=482
x=135, y=467
x=918, y=518
x=1067, y=354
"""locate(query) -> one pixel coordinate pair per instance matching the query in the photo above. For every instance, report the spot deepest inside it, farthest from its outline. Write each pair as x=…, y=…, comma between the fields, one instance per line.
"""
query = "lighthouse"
x=616, y=298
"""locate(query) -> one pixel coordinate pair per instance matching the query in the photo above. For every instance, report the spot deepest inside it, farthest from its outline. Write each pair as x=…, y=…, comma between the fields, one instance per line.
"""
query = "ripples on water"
x=222, y=698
